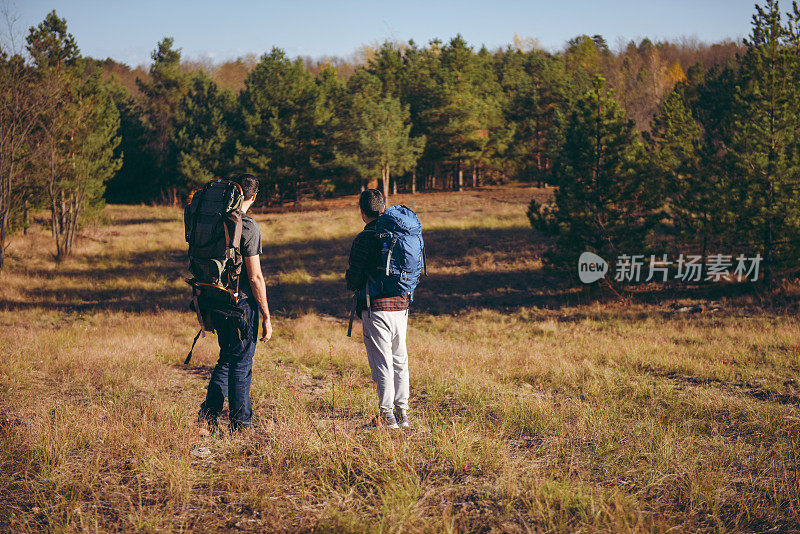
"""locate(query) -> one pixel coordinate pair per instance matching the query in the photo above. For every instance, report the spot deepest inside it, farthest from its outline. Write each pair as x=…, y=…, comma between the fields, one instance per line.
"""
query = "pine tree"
x=607, y=195
x=203, y=133
x=537, y=85
x=283, y=126
x=76, y=134
x=329, y=111
x=51, y=45
x=763, y=146
x=379, y=129
x=162, y=93
x=80, y=141
x=388, y=66
x=134, y=182
x=693, y=189
x=93, y=146
x=423, y=97
x=499, y=132
x=462, y=112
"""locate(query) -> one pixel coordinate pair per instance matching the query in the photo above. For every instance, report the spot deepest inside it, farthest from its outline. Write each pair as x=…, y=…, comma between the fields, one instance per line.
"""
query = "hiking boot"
x=382, y=420
x=207, y=420
x=237, y=427
x=402, y=419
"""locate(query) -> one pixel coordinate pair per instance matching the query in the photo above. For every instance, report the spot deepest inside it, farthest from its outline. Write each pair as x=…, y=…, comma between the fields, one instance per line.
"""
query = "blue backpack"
x=402, y=253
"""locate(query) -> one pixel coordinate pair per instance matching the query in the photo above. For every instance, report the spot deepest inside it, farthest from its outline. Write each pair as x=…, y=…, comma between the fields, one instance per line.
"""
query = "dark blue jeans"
x=234, y=370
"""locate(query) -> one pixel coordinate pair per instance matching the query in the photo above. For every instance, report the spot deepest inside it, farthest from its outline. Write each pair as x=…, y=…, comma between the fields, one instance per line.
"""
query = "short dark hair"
x=248, y=183
x=371, y=202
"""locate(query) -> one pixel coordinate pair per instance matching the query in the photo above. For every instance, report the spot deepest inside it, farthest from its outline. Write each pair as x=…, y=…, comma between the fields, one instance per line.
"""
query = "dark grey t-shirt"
x=251, y=246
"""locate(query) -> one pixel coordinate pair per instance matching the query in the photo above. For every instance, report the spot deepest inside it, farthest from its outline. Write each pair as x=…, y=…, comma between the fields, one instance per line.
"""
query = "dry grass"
x=537, y=408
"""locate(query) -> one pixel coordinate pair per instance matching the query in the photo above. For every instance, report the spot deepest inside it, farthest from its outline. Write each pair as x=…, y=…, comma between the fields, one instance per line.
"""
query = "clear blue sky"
x=129, y=30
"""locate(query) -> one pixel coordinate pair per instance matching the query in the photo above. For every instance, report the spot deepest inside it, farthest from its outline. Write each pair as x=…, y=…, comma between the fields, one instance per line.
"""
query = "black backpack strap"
x=352, y=314
x=189, y=356
x=197, y=309
x=195, y=214
x=229, y=252
x=234, y=185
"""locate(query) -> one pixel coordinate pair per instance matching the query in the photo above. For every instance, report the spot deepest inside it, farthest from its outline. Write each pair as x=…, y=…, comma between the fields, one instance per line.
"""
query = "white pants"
x=385, y=339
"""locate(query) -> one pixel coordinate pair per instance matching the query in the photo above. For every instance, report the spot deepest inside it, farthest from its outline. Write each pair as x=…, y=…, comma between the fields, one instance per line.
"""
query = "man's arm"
x=252, y=265
x=361, y=252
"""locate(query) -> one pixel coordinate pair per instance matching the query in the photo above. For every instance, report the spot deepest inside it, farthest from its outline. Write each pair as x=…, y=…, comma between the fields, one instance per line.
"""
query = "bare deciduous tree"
x=20, y=101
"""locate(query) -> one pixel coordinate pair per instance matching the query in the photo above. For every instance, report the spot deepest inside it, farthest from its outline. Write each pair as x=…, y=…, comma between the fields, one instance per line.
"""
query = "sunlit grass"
x=558, y=417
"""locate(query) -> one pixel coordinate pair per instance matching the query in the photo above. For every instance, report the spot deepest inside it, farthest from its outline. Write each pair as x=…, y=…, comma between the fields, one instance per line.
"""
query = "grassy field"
x=537, y=408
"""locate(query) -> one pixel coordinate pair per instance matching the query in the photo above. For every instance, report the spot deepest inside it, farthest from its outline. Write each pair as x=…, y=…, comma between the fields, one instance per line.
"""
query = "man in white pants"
x=384, y=320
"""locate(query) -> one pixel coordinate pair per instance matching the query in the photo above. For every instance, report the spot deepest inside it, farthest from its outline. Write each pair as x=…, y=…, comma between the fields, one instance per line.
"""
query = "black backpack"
x=213, y=229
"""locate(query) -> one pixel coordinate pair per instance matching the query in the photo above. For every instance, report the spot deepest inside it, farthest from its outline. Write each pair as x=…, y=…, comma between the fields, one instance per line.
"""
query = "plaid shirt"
x=390, y=303
x=364, y=256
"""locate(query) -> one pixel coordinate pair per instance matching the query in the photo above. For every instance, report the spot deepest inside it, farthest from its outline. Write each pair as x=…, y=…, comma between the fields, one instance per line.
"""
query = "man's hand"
x=266, y=328
x=253, y=267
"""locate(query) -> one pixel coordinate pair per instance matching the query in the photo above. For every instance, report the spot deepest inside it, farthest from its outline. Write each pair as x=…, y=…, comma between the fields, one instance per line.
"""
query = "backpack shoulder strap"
x=200, y=196
x=232, y=184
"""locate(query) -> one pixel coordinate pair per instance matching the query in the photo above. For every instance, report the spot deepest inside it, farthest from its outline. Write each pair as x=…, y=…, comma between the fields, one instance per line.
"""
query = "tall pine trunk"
x=704, y=255
x=172, y=195
x=385, y=179
x=56, y=208
x=3, y=233
x=414, y=182
x=768, y=239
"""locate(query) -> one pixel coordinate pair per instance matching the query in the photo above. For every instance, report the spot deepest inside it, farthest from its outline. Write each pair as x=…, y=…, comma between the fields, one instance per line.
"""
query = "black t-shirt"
x=251, y=246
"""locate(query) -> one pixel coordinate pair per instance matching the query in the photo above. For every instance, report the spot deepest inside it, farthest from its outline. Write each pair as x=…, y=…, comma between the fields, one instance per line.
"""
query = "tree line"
x=441, y=116
x=717, y=171
x=76, y=131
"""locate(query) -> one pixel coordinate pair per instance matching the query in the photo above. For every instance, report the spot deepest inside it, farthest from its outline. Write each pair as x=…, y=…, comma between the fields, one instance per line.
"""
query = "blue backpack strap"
x=389, y=255
x=424, y=258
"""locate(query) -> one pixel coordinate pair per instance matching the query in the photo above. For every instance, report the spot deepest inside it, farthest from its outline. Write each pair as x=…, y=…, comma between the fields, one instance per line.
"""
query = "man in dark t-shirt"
x=251, y=247
x=232, y=374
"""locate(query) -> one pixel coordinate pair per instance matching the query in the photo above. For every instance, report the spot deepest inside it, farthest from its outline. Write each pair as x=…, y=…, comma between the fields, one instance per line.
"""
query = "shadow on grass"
x=303, y=276
x=138, y=282
x=468, y=269
x=737, y=387
x=124, y=221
